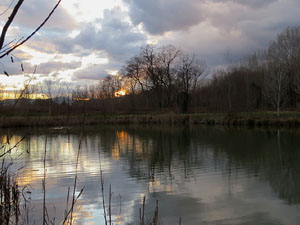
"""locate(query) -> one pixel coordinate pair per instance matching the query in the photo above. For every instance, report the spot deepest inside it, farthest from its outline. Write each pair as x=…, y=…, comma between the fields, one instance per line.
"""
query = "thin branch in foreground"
x=9, y=150
x=109, y=205
x=8, y=7
x=71, y=210
x=28, y=37
x=103, y=199
x=6, y=46
x=9, y=21
x=142, y=212
x=44, y=185
x=74, y=197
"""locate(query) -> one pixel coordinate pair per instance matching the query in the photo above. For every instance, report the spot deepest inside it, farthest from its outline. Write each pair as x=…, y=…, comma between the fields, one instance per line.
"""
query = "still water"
x=205, y=175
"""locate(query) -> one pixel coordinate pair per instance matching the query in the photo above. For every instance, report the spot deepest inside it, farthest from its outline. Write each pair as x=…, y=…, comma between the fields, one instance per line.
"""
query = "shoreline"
x=254, y=119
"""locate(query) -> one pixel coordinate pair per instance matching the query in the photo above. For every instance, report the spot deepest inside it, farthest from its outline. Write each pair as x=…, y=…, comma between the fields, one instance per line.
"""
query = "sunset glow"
x=11, y=95
x=120, y=93
x=81, y=99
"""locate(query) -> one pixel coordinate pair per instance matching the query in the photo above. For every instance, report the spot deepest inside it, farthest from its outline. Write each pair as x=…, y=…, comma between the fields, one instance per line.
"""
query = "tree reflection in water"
x=186, y=168
x=155, y=153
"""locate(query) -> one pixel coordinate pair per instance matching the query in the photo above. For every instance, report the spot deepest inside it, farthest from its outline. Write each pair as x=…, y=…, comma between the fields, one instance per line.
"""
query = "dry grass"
x=14, y=203
x=10, y=197
x=287, y=119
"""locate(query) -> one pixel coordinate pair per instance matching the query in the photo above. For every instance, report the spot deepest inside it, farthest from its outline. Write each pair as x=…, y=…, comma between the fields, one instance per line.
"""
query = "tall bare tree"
x=167, y=57
x=275, y=82
x=287, y=46
x=190, y=70
x=133, y=70
x=283, y=67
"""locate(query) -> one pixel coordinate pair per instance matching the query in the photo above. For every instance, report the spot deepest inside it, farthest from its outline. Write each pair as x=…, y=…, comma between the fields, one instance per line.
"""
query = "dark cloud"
x=64, y=45
x=49, y=67
x=44, y=68
x=110, y=34
x=251, y=3
x=239, y=26
x=97, y=71
x=116, y=36
x=111, y=37
x=33, y=12
x=160, y=16
x=94, y=72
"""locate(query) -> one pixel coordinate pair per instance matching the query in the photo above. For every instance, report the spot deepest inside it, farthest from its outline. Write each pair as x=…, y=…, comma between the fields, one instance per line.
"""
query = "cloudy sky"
x=86, y=40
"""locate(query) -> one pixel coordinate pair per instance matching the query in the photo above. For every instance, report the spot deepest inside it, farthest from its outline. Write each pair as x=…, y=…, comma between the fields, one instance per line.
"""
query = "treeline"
x=165, y=78
x=267, y=79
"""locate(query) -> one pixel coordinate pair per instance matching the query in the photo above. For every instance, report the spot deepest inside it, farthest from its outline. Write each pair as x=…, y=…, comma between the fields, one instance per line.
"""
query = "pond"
x=201, y=175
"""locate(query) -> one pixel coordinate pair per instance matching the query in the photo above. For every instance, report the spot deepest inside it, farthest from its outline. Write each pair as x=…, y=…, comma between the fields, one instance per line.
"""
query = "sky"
x=84, y=41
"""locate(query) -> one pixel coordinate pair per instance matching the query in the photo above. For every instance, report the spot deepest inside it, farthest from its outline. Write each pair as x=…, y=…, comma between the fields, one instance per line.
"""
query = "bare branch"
x=8, y=7
x=10, y=149
x=33, y=33
x=9, y=21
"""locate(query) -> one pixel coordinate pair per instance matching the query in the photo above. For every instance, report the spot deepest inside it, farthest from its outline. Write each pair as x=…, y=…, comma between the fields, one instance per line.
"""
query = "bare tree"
x=167, y=58
x=134, y=71
x=48, y=90
x=289, y=44
x=276, y=84
x=24, y=97
x=287, y=47
x=189, y=73
x=159, y=70
x=297, y=83
x=151, y=67
x=81, y=93
x=112, y=84
x=283, y=67
x=68, y=89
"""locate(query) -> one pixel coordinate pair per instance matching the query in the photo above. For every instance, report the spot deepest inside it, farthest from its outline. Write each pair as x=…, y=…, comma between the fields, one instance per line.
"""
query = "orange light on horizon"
x=11, y=95
x=120, y=93
x=81, y=99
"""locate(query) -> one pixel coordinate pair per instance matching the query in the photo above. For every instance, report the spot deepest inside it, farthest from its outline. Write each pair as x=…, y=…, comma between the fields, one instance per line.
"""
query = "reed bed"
x=10, y=197
x=259, y=119
x=14, y=201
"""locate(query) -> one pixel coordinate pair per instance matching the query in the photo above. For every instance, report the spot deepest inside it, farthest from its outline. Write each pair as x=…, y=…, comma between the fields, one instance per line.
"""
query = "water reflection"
x=206, y=175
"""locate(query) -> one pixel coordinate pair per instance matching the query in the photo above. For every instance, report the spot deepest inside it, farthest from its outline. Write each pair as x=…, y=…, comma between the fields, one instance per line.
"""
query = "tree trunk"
x=278, y=104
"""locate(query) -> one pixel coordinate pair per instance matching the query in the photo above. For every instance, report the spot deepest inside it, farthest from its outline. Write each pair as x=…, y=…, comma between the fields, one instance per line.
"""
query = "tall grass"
x=9, y=197
x=14, y=202
x=68, y=220
x=108, y=213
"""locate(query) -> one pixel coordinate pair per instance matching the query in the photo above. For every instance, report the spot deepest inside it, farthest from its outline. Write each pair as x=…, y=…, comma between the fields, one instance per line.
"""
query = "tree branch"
x=9, y=21
x=8, y=7
x=33, y=33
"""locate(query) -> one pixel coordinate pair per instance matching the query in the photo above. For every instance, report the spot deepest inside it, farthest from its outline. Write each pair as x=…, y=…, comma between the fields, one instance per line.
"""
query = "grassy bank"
x=286, y=119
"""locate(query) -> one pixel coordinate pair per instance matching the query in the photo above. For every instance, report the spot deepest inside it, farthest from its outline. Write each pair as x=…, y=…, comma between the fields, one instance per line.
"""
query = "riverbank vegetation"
x=247, y=119
x=165, y=80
